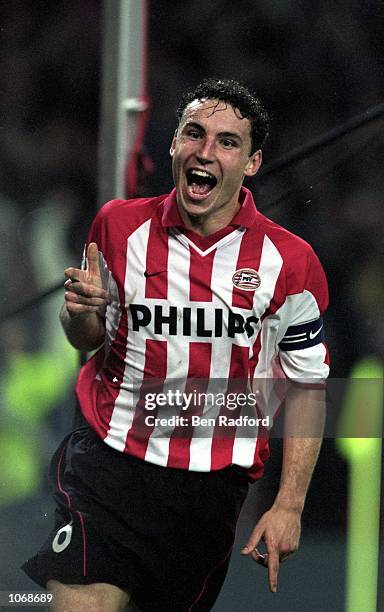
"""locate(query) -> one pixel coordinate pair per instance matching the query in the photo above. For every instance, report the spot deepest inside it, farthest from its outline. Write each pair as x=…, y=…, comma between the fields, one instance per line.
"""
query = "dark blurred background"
x=315, y=66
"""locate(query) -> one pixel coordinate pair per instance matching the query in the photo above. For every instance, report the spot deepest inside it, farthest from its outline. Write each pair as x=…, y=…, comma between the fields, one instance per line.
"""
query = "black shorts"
x=164, y=535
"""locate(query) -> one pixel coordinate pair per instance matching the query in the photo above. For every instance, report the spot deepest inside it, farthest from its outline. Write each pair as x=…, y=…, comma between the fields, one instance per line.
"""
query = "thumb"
x=93, y=266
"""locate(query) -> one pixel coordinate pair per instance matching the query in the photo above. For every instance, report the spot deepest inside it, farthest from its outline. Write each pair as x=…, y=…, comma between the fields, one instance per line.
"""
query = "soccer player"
x=193, y=286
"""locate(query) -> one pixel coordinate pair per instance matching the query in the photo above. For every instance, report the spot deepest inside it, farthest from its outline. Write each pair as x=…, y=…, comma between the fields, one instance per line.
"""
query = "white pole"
x=122, y=73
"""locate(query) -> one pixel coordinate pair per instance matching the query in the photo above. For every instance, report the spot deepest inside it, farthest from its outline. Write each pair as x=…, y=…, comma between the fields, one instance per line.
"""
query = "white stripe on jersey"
x=271, y=263
x=243, y=452
x=124, y=409
x=269, y=269
x=177, y=347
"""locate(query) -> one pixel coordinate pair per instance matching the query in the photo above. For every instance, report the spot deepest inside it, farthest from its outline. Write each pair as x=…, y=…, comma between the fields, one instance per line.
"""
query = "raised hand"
x=84, y=291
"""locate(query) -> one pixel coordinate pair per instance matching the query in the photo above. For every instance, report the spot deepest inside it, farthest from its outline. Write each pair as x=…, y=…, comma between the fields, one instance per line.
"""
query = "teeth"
x=202, y=174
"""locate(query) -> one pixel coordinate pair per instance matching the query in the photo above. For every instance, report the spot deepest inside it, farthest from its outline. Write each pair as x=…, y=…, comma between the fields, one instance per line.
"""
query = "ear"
x=253, y=163
x=173, y=144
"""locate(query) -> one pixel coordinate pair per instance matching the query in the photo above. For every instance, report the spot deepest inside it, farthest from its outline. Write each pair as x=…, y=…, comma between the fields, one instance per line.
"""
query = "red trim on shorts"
x=68, y=498
x=84, y=542
x=66, y=495
x=209, y=575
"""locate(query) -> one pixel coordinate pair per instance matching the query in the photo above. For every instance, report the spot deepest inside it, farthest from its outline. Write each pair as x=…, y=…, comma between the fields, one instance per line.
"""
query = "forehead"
x=216, y=115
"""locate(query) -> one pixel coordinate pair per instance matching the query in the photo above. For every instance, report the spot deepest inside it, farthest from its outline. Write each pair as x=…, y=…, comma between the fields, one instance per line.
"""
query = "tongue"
x=201, y=189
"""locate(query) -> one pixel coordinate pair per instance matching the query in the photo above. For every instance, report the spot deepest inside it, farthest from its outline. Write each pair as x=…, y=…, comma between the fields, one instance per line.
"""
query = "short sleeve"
x=302, y=350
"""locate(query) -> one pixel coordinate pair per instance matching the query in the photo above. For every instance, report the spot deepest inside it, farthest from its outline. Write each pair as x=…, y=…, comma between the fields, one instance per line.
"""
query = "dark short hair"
x=238, y=96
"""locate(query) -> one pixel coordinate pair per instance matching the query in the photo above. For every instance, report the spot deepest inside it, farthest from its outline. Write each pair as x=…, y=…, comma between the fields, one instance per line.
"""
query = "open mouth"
x=200, y=182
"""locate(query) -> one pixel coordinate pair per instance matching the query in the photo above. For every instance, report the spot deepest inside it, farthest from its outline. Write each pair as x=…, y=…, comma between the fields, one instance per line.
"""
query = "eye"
x=228, y=143
x=193, y=133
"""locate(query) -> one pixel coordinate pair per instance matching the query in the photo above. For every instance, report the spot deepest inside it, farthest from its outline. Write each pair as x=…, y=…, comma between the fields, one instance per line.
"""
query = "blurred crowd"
x=49, y=75
x=315, y=66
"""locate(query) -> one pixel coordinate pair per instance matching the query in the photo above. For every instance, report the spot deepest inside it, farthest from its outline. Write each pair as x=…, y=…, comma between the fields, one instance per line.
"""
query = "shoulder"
x=119, y=219
x=136, y=208
x=301, y=266
x=294, y=250
x=291, y=246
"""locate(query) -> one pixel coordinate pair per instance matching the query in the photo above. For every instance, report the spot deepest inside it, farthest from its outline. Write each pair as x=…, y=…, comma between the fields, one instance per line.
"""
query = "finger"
x=78, y=309
x=86, y=290
x=70, y=296
x=253, y=541
x=73, y=274
x=273, y=570
x=261, y=559
x=93, y=259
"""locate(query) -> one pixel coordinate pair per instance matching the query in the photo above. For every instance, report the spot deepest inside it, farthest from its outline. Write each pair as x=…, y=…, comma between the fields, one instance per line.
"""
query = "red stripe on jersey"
x=155, y=369
x=200, y=274
x=249, y=257
x=279, y=295
x=156, y=285
x=197, y=381
x=260, y=457
x=87, y=391
x=223, y=437
x=255, y=357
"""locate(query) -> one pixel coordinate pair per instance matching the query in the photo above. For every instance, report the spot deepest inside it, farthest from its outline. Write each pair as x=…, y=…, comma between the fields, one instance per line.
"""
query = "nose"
x=205, y=153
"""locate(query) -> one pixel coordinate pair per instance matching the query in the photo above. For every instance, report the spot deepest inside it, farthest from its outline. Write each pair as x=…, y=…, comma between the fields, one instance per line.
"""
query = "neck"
x=205, y=225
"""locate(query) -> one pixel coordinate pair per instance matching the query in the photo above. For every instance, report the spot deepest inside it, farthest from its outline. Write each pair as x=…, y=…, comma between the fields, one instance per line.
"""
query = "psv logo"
x=246, y=279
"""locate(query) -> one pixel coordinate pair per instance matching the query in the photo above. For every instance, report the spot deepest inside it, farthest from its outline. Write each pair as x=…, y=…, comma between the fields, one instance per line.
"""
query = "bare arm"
x=280, y=526
x=304, y=425
x=84, y=295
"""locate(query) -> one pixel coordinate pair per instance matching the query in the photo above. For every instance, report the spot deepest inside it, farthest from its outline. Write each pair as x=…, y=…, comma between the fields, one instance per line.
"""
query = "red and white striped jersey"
x=242, y=304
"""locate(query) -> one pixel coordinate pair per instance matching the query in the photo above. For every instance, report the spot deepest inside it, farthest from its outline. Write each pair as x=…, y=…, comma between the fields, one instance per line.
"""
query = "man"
x=193, y=286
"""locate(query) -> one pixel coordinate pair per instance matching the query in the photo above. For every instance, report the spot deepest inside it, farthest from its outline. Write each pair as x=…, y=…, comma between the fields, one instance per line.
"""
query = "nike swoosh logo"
x=150, y=274
x=313, y=335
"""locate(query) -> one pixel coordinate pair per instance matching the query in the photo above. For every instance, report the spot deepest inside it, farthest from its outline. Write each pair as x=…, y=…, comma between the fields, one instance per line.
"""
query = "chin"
x=196, y=208
x=194, y=213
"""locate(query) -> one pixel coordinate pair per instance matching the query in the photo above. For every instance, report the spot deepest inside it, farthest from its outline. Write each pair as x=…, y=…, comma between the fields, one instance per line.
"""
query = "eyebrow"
x=196, y=125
